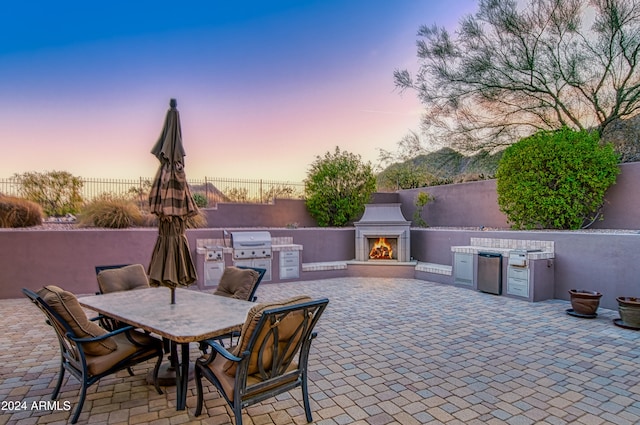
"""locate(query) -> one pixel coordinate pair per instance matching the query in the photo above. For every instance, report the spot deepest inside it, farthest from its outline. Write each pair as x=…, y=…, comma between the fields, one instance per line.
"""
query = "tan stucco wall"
x=476, y=203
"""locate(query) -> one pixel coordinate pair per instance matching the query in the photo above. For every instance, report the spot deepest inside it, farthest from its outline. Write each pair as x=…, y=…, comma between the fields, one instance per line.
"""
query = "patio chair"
x=121, y=277
x=88, y=351
x=271, y=356
x=239, y=282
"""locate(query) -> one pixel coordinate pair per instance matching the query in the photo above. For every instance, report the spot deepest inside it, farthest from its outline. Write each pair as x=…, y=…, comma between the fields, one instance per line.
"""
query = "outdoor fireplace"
x=383, y=234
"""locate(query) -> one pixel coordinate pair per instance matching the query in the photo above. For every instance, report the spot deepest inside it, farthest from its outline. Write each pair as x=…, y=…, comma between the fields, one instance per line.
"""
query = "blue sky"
x=263, y=87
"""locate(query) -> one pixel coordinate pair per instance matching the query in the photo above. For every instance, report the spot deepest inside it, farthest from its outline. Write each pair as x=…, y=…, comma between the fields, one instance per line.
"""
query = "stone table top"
x=194, y=317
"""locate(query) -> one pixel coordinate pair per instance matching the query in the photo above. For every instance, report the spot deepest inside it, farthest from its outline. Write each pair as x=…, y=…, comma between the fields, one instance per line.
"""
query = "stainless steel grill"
x=248, y=245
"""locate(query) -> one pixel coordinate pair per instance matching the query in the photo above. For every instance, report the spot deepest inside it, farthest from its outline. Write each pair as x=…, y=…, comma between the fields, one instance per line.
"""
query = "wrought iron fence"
x=214, y=190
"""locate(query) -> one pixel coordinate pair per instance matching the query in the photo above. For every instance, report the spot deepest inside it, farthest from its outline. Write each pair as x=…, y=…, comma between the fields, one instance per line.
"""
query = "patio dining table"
x=194, y=317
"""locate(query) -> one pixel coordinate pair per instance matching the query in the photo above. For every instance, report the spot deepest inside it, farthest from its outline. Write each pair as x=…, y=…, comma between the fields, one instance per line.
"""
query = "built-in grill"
x=252, y=249
x=251, y=245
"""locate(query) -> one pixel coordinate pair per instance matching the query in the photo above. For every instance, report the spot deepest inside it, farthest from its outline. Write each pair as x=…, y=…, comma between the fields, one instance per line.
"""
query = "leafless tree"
x=512, y=69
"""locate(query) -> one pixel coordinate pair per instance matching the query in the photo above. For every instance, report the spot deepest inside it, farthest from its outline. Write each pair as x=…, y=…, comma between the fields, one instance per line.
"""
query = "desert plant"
x=200, y=200
x=58, y=192
x=422, y=199
x=555, y=179
x=337, y=187
x=197, y=221
x=236, y=194
x=111, y=212
x=18, y=212
x=140, y=194
x=279, y=191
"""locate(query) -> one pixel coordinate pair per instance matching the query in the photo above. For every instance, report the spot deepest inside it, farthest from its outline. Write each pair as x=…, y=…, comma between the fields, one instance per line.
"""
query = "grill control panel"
x=253, y=253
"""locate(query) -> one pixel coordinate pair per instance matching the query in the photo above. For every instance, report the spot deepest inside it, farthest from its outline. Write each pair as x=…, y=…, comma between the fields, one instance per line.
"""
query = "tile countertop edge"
x=469, y=249
x=229, y=250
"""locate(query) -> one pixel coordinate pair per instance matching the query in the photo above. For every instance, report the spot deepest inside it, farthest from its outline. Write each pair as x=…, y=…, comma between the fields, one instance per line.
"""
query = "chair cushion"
x=227, y=382
x=237, y=283
x=102, y=363
x=124, y=278
x=285, y=330
x=67, y=306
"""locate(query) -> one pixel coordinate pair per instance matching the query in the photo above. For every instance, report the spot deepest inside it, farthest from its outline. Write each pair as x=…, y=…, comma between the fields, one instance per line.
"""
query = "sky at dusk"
x=263, y=87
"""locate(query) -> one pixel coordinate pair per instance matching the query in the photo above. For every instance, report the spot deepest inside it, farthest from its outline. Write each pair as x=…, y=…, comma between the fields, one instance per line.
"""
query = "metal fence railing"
x=213, y=189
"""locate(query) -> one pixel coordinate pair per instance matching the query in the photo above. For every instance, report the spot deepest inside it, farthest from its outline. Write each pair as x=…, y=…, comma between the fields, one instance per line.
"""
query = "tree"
x=512, y=71
x=337, y=187
x=555, y=179
x=58, y=192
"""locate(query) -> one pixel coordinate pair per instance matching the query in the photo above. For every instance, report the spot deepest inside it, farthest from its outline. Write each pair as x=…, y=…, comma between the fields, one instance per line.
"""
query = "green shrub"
x=422, y=199
x=200, y=200
x=337, y=187
x=18, y=212
x=555, y=179
x=111, y=212
x=58, y=192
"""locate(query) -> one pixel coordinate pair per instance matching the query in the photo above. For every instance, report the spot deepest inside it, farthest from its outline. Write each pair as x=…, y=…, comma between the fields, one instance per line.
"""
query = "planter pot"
x=585, y=302
x=629, y=308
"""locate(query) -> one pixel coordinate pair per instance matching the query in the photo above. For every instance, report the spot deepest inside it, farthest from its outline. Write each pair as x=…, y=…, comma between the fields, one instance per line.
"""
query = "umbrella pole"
x=173, y=295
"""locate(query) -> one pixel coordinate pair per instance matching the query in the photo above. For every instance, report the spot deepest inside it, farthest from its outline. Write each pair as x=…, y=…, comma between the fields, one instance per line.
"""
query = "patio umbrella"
x=171, y=201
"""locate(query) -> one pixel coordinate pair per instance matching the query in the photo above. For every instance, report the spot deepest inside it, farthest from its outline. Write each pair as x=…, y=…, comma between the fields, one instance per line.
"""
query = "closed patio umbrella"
x=171, y=201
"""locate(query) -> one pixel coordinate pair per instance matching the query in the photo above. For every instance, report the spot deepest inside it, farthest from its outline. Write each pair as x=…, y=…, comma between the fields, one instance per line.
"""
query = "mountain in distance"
x=447, y=165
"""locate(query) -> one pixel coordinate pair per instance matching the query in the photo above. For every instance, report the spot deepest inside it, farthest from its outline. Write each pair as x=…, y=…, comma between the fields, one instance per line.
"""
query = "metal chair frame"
x=73, y=357
x=280, y=376
x=252, y=297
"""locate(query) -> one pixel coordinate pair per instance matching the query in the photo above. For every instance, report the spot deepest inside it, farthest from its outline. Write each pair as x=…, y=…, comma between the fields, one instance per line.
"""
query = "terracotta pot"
x=585, y=302
x=629, y=308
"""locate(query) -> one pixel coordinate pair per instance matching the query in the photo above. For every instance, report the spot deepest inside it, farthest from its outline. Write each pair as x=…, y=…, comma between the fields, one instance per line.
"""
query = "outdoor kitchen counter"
x=472, y=249
x=229, y=250
x=287, y=247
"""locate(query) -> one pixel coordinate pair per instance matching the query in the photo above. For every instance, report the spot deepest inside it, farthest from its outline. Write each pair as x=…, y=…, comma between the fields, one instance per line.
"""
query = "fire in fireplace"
x=382, y=249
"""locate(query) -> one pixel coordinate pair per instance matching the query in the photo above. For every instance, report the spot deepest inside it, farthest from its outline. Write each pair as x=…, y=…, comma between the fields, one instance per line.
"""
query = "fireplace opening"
x=383, y=248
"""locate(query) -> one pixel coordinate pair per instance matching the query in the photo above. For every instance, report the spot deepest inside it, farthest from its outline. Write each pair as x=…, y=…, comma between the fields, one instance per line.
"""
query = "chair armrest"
x=101, y=337
x=217, y=348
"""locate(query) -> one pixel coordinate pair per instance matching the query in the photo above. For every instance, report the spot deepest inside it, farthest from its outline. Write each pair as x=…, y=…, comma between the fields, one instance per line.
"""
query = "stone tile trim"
x=442, y=269
x=546, y=246
x=284, y=243
x=329, y=265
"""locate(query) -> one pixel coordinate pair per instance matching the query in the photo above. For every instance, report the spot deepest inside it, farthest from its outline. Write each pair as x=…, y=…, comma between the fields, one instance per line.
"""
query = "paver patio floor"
x=389, y=351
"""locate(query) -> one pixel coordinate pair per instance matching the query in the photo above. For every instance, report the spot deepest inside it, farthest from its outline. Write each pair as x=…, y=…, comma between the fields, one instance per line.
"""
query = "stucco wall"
x=606, y=262
x=472, y=204
x=36, y=258
x=282, y=213
x=475, y=204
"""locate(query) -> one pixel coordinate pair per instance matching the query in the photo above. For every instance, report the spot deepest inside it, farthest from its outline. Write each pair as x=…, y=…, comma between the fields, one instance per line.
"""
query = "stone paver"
x=389, y=351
